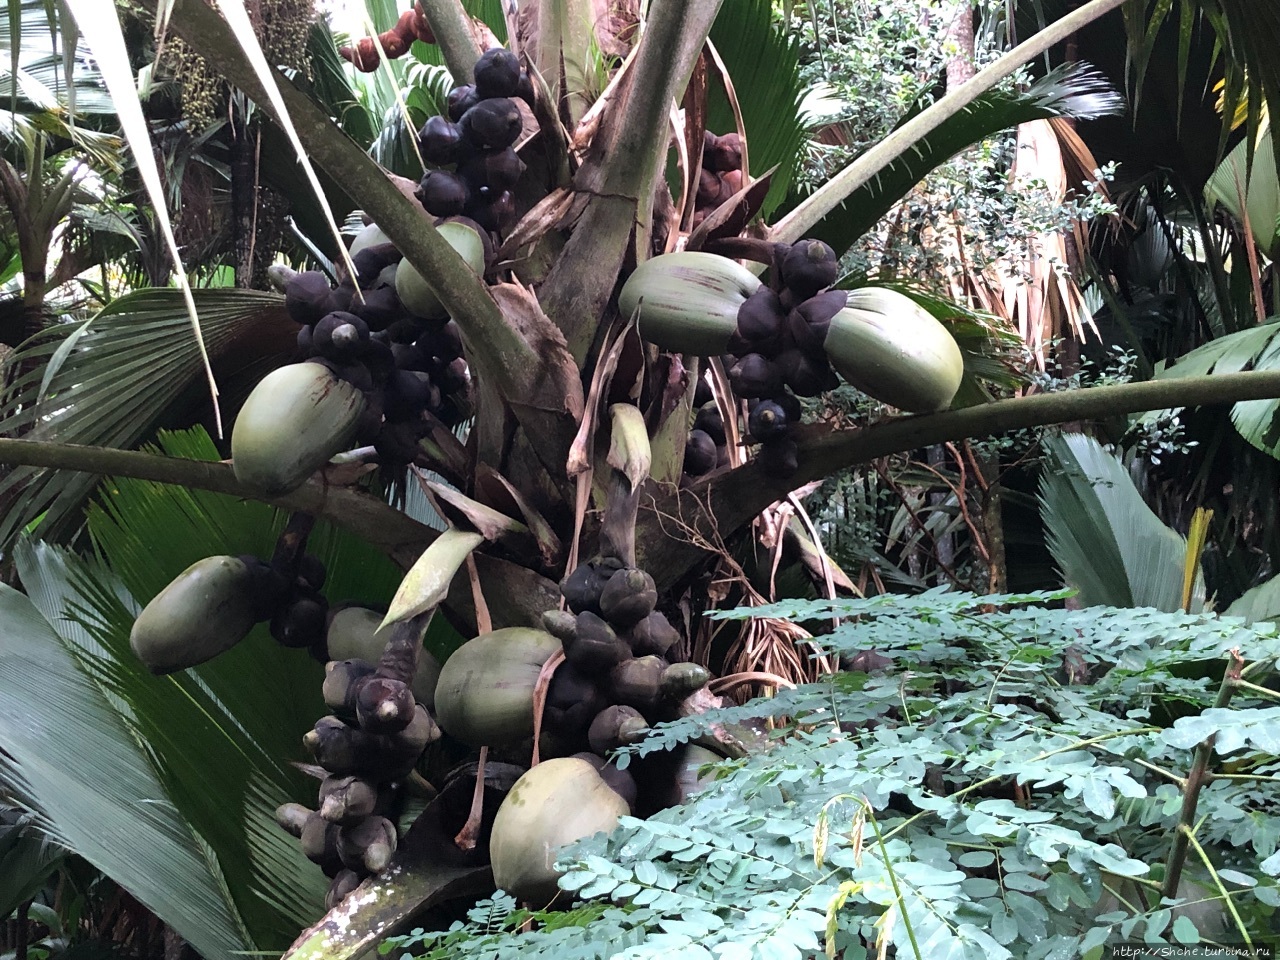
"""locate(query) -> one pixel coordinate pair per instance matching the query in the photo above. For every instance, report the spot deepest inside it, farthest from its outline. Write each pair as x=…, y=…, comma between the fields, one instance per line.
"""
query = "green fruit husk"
x=205, y=611
x=485, y=693
x=412, y=288
x=688, y=301
x=554, y=804
x=890, y=348
x=296, y=418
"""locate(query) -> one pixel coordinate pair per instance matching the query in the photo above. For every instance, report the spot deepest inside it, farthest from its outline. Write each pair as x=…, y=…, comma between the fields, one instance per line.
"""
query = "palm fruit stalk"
x=294, y=421
x=552, y=805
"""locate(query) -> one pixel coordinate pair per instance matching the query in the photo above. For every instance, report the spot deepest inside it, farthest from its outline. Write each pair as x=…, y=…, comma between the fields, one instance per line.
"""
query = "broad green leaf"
x=1107, y=542
x=71, y=753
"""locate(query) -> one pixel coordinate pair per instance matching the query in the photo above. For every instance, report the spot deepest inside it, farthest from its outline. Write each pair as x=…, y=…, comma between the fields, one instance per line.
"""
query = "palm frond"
x=1256, y=348
x=1254, y=193
x=1106, y=541
x=109, y=380
x=95, y=788
x=1260, y=603
x=27, y=857
x=1073, y=90
x=763, y=60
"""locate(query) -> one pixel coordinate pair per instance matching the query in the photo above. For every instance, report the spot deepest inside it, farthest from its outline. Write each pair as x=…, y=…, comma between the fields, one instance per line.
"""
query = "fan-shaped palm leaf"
x=70, y=753
x=1257, y=348
x=27, y=857
x=763, y=61
x=1073, y=90
x=1106, y=541
x=109, y=380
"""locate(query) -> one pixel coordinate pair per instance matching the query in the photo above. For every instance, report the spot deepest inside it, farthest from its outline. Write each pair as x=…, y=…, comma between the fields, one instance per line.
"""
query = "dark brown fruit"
x=490, y=173
x=347, y=800
x=809, y=322
x=595, y=648
x=778, y=458
x=726, y=155
x=408, y=394
x=306, y=348
x=443, y=194
x=807, y=376
x=809, y=266
x=338, y=335
x=461, y=99
x=582, y=587
x=368, y=845
x=652, y=636
x=320, y=841
x=338, y=748
x=620, y=782
x=638, y=682
x=380, y=309
x=628, y=597
x=384, y=705
x=615, y=726
x=440, y=141
x=377, y=357
x=308, y=297
x=371, y=261
x=301, y=623
x=768, y=421
x=708, y=188
x=710, y=422
x=699, y=454
x=491, y=125
x=497, y=73
x=342, y=682
x=405, y=330
x=342, y=886
x=495, y=215
x=524, y=89
x=755, y=376
x=761, y=316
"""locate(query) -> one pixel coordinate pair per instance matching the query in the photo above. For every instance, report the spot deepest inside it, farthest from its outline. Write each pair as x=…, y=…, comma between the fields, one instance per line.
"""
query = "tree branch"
x=496, y=349
x=452, y=29
x=737, y=496
x=620, y=173
x=833, y=193
x=394, y=533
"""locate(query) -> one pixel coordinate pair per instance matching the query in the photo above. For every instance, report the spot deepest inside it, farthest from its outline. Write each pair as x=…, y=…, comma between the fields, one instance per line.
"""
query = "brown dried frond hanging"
x=282, y=27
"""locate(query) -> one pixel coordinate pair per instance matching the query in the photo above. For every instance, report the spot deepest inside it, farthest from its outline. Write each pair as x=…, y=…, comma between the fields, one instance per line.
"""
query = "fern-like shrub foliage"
x=1020, y=780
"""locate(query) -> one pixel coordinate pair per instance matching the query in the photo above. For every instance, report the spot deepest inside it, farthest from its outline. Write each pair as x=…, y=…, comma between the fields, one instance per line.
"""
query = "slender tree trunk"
x=961, y=66
x=244, y=199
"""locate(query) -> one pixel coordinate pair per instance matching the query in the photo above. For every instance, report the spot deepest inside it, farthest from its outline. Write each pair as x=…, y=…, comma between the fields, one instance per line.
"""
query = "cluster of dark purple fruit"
x=721, y=174
x=477, y=140
x=615, y=680
x=776, y=355
x=369, y=744
x=404, y=364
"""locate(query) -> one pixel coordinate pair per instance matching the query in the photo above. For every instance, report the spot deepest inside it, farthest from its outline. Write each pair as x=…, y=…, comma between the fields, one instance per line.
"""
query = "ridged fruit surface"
x=205, y=611
x=353, y=635
x=890, y=348
x=688, y=301
x=412, y=289
x=485, y=693
x=296, y=418
x=551, y=806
